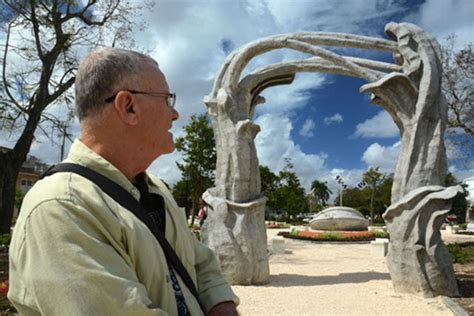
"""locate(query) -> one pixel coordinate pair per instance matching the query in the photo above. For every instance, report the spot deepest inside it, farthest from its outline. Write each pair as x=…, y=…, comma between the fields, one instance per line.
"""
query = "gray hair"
x=104, y=71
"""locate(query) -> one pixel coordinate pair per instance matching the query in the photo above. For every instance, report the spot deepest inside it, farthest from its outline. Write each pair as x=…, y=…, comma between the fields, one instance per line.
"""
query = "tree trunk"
x=10, y=163
x=372, y=205
x=192, y=213
x=9, y=168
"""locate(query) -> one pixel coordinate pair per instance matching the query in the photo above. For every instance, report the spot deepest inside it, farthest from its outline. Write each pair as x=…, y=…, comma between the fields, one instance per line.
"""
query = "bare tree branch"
x=36, y=31
x=4, y=69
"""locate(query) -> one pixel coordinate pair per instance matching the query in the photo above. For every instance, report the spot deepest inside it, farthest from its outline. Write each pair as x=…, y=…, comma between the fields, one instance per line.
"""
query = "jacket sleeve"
x=213, y=288
x=65, y=259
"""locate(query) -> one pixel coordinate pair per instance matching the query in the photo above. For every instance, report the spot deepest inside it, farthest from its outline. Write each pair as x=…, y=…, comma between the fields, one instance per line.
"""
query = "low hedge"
x=461, y=253
x=334, y=235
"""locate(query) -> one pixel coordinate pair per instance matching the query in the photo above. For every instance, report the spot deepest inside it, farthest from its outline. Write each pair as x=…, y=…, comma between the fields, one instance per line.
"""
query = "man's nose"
x=175, y=115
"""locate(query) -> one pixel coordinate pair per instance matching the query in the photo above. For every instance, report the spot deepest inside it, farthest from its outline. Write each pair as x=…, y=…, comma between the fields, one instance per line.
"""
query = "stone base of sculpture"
x=470, y=227
x=417, y=259
x=239, y=239
x=339, y=218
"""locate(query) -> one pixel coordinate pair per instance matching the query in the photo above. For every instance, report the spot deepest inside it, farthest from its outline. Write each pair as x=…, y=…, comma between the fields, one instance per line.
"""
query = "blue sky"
x=320, y=121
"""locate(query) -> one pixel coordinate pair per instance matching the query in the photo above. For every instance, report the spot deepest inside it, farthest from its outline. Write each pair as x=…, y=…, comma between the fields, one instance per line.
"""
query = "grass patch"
x=461, y=253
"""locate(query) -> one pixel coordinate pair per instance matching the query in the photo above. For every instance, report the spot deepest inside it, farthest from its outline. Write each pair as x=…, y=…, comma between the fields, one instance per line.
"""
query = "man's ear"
x=125, y=108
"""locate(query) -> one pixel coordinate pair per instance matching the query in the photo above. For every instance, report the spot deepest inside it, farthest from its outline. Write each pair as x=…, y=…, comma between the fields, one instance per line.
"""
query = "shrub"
x=5, y=239
x=379, y=234
x=461, y=253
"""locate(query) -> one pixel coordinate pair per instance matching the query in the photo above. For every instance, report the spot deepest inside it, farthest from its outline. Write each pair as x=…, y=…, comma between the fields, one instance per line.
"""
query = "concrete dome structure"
x=339, y=218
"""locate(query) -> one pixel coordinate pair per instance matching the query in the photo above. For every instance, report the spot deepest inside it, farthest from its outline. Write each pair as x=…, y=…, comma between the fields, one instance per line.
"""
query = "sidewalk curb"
x=453, y=306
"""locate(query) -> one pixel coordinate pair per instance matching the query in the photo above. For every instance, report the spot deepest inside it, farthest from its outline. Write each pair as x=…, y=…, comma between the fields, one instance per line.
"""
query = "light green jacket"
x=75, y=251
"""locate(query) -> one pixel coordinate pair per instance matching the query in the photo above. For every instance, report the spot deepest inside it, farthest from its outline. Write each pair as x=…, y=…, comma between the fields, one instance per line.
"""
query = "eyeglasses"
x=170, y=97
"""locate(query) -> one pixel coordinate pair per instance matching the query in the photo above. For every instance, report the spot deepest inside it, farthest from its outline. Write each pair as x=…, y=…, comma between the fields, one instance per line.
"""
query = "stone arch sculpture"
x=408, y=89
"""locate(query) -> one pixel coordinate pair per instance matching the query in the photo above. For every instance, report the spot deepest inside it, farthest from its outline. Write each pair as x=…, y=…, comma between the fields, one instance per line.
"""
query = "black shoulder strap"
x=124, y=198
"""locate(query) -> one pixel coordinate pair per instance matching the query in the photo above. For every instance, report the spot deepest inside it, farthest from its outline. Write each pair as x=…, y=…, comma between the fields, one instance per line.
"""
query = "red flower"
x=4, y=288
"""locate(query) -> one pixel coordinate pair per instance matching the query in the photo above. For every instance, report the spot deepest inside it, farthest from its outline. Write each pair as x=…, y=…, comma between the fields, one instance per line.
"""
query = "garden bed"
x=334, y=235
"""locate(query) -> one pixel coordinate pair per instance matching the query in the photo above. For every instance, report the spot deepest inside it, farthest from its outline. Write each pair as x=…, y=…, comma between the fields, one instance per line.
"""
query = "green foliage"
x=198, y=147
x=199, y=152
x=459, y=203
x=331, y=236
x=372, y=179
x=380, y=234
x=356, y=198
x=360, y=198
x=320, y=192
x=5, y=239
x=269, y=185
x=290, y=195
x=461, y=253
x=19, y=195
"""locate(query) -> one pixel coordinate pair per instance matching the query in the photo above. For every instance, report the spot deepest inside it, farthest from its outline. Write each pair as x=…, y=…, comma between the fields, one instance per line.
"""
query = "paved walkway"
x=332, y=279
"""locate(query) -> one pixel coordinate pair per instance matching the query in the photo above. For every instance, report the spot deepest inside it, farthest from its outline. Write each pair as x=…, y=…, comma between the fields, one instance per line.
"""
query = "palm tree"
x=320, y=191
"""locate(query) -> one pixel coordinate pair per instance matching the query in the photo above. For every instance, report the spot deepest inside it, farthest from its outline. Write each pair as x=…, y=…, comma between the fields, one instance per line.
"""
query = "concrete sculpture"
x=339, y=218
x=408, y=89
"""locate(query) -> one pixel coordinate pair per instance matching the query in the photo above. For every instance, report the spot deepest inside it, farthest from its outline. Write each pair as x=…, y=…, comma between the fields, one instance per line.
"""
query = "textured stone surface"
x=408, y=89
x=339, y=218
x=414, y=100
x=236, y=238
x=417, y=258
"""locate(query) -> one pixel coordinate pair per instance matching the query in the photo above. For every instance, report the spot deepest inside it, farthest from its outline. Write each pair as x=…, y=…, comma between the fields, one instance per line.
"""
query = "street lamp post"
x=343, y=186
x=187, y=177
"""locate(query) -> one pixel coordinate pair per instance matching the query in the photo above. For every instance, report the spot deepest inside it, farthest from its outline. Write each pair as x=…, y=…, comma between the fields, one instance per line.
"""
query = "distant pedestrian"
x=202, y=214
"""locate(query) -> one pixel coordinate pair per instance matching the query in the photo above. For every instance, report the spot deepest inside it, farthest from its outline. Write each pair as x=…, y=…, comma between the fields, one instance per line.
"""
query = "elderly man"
x=76, y=250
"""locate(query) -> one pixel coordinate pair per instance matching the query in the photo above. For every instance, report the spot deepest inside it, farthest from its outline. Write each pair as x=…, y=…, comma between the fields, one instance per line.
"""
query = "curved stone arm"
x=415, y=102
x=253, y=81
x=230, y=106
x=417, y=259
x=230, y=72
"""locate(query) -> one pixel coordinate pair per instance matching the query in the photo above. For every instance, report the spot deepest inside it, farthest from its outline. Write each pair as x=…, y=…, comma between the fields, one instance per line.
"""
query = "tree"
x=459, y=203
x=360, y=198
x=43, y=39
x=199, y=151
x=372, y=178
x=320, y=192
x=457, y=86
x=290, y=195
x=269, y=184
x=357, y=198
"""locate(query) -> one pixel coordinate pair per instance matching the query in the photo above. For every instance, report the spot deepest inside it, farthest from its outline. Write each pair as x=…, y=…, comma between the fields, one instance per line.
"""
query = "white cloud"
x=434, y=18
x=379, y=126
x=274, y=144
x=385, y=157
x=307, y=128
x=336, y=118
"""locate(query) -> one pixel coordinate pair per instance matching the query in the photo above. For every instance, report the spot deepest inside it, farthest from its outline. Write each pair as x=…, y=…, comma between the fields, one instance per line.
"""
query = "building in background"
x=470, y=189
x=29, y=173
